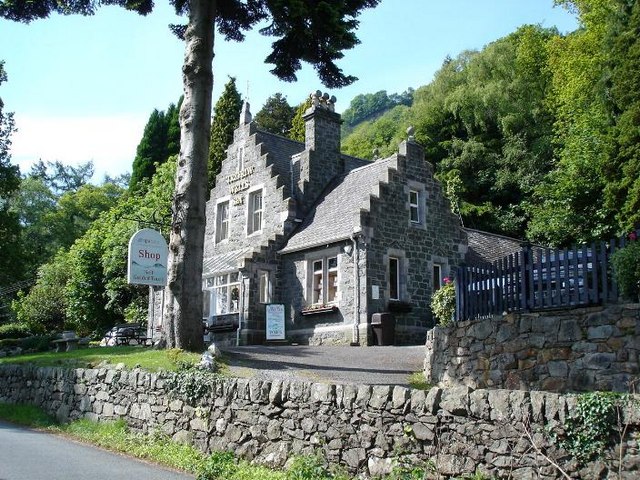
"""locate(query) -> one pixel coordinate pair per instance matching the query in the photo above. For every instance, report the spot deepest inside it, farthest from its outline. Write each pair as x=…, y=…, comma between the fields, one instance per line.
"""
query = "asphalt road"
x=32, y=455
x=325, y=364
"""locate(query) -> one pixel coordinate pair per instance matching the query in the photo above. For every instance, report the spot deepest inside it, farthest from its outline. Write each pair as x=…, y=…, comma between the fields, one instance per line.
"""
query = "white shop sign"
x=275, y=321
x=148, y=254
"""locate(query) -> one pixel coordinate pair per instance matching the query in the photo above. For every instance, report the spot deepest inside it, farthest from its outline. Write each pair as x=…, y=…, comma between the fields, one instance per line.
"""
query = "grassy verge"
x=147, y=358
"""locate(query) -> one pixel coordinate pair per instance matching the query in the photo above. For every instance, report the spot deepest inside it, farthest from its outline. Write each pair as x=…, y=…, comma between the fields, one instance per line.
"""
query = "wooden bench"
x=69, y=341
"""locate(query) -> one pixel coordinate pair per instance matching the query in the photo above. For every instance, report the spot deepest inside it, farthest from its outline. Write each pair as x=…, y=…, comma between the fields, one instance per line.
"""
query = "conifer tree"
x=225, y=119
x=10, y=263
x=152, y=149
x=276, y=115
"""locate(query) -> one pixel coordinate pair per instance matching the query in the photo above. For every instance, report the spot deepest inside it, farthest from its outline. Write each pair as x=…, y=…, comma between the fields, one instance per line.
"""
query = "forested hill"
x=537, y=135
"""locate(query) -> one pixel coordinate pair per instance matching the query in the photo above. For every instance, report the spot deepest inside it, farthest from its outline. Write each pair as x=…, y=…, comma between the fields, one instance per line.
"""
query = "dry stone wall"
x=365, y=428
x=584, y=349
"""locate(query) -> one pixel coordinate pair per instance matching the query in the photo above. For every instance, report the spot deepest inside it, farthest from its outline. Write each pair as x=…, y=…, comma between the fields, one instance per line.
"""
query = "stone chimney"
x=321, y=160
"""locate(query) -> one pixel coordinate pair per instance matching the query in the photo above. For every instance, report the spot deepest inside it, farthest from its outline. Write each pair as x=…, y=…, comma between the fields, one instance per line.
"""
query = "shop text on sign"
x=147, y=263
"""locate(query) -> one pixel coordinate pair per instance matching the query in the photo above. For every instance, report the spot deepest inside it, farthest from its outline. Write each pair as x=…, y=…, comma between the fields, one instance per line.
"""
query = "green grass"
x=147, y=358
x=26, y=415
x=417, y=381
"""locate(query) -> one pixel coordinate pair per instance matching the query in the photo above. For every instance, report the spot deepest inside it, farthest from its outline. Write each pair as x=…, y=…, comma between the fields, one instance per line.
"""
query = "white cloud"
x=109, y=141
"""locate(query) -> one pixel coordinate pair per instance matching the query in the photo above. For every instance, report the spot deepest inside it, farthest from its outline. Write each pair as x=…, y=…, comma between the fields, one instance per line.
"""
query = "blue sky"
x=82, y=88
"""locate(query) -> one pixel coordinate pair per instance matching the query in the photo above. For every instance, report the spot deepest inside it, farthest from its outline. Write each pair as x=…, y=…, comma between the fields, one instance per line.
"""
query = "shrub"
x=626, y=268
x=220, y=465
x=39, y=343
x=443, y=303
x=14, y=330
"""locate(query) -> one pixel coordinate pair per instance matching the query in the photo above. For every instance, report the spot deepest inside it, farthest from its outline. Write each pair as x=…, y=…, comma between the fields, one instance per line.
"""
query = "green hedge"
x=14, y=330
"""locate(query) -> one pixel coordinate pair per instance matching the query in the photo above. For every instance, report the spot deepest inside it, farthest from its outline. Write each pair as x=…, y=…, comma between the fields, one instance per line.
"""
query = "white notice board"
x=275, y=321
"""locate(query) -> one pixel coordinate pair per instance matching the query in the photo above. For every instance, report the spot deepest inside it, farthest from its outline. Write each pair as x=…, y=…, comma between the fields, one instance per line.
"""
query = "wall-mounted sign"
x=148, y=254
x=275, y=321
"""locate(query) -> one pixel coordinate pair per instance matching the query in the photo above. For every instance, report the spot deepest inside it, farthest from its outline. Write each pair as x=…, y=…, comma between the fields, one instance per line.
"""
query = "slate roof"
x=337, y=211
x=280, y=150
x=488, y=247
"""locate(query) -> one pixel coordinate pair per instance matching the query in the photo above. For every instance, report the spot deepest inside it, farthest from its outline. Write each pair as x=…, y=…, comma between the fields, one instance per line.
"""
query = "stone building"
x=333, y=238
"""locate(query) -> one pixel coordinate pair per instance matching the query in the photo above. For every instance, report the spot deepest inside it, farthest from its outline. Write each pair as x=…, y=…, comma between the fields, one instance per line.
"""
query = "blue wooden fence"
x=538, y=279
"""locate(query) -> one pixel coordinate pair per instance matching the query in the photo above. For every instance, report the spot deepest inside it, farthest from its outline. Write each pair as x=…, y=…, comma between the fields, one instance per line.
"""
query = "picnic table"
x=129, y=333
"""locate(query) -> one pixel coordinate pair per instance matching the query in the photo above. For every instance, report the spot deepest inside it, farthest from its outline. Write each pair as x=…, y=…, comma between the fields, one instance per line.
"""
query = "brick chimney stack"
x=321, y=160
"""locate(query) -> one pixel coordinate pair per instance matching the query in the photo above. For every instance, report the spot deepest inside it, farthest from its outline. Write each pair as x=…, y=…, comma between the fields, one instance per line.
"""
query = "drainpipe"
x=356, y=281
x=240, y=309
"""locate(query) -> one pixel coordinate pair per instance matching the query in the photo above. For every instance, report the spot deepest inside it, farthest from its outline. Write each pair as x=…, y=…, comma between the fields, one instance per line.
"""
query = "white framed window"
x=437, y=276
x=254, y=219
x=264, y=286
x=224, y=293
x=394, y=278
x=414, y=206
x=222, y=221
x=324, y=280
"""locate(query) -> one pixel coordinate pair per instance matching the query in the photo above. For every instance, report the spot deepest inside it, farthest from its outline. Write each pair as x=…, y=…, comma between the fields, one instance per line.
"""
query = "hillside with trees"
x=536, y=135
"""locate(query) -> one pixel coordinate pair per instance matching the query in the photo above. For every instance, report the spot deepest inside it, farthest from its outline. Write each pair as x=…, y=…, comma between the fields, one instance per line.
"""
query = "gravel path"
x=326, y=364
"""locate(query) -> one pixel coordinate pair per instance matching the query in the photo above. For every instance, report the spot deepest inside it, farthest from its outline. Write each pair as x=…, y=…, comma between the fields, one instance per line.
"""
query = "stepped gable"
x=337, y=211
x=279, y=151
x=485, y=247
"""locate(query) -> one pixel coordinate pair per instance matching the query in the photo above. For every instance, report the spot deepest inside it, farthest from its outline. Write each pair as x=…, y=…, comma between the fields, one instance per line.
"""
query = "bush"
x=39, y=343
x=14, y=330
x=220, y=465
x=443, y=303
x=626, y=268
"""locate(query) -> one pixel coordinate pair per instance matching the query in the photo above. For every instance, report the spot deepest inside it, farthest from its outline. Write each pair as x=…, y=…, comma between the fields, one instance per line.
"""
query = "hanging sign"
x=275, y=321
x=148, y=254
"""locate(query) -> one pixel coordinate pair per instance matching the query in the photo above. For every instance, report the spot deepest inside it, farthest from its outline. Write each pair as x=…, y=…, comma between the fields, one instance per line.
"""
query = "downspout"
x=356, y=281
x=240, y=309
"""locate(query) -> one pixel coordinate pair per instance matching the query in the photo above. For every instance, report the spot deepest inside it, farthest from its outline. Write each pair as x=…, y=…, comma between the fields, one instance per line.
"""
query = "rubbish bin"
x=384, y=328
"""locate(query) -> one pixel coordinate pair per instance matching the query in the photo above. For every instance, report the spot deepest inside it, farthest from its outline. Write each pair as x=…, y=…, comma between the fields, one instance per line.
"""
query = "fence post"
x=460, y=288
x=526, y=282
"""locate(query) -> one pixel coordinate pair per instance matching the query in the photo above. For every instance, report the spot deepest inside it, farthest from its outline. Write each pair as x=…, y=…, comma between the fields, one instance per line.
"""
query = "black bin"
x=384, y=328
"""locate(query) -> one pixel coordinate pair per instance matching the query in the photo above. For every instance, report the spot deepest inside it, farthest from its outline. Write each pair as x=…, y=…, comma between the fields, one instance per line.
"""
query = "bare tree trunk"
x=182, y=322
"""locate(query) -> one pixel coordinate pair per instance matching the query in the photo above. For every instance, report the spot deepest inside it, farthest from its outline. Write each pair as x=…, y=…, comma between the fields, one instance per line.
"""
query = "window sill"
x=316, y=309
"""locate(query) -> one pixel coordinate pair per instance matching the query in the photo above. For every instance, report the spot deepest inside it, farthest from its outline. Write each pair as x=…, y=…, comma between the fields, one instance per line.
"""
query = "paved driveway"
x=326, y=364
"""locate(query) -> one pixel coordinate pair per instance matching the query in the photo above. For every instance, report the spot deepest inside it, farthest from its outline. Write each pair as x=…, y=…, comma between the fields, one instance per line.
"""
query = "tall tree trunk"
x=183, y=303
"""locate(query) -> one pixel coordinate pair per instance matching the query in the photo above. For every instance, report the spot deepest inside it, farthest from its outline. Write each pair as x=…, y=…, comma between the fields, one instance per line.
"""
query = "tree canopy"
x=313, y=32
x=276, y=115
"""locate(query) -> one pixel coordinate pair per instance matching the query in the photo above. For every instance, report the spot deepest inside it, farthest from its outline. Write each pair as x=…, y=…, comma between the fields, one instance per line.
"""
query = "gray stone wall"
x=365, y=428
x=325, y=328
x=572, y=350
x=389, y=232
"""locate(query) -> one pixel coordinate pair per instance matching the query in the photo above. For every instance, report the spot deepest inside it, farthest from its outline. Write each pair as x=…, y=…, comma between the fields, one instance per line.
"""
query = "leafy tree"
x=297, y=131
x=97, y=292
x=44, y=308
x=61, y=178
x=569, y=205
x=276, y=115
x=10, y=251
x=622, y=171
x=316, y=33
x=225, y=120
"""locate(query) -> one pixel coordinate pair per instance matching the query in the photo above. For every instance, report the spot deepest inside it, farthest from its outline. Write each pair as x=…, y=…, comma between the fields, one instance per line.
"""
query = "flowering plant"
x=443, y=302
